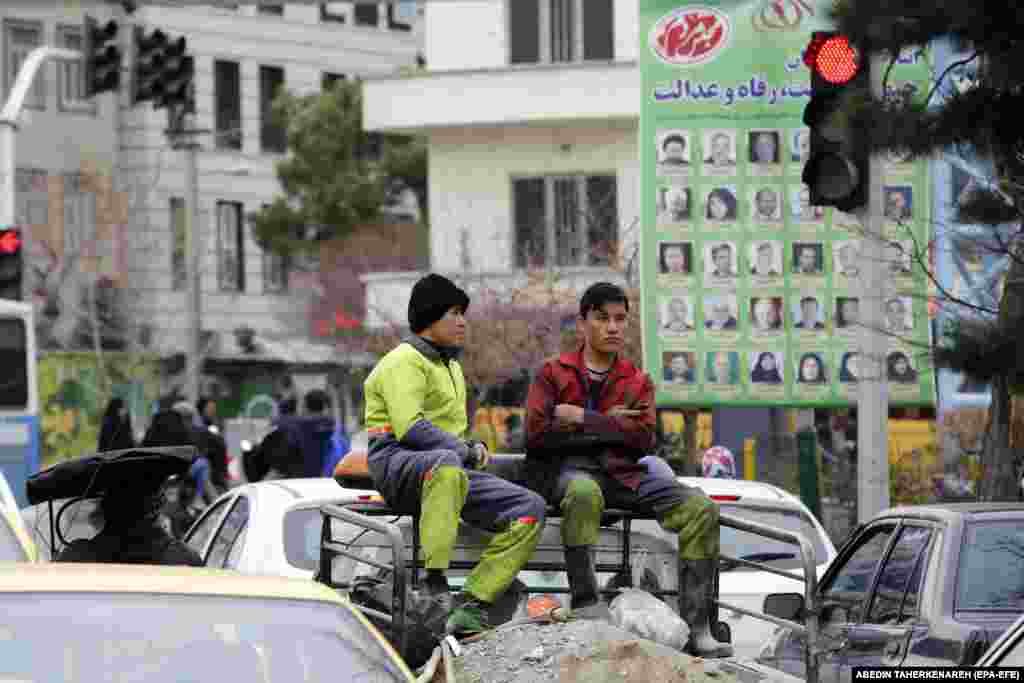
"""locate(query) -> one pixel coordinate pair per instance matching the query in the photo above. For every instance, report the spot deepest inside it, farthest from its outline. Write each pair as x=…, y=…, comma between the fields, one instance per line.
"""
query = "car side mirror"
x=788, y=606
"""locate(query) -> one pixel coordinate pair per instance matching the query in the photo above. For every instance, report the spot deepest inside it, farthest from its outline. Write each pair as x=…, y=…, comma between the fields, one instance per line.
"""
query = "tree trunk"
x=998, y=459
x=999, y=481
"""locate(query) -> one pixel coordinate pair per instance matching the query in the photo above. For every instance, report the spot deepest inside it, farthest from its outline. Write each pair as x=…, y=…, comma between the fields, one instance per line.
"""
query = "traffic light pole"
x=185, y=140
x=873, y=396
x=9, y=123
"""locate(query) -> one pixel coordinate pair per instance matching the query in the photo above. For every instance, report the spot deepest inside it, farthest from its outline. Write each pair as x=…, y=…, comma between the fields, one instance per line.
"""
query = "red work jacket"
x=616, y=442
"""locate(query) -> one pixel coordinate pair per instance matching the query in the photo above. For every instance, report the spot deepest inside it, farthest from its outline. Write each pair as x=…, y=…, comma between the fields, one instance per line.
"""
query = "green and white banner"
x=750, y=294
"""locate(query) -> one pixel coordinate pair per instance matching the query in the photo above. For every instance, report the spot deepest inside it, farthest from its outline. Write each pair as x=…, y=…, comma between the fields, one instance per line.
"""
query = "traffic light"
x=102, y=57
x=10, y=264
x=179, y=71
x=147, y=71
x=837, y=167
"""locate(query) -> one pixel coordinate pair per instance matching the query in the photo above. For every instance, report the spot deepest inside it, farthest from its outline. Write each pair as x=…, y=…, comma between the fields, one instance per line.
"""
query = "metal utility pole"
x=184, y=139
x=9, y=123
x=873, y=396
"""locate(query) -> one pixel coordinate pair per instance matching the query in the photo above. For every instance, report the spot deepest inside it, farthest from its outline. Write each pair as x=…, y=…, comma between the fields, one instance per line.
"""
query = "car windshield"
x=991, y=575
x=174, y=638
x=302, y=529
x=747, y=546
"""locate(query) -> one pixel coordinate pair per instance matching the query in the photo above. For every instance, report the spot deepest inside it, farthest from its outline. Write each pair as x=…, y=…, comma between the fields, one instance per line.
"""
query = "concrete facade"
x=128, y=144
x=490, y=121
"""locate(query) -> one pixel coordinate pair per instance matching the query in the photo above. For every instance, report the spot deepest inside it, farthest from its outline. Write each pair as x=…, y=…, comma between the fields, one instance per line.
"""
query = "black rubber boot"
x=586, y=598
x=435, y=586
x=696, y=595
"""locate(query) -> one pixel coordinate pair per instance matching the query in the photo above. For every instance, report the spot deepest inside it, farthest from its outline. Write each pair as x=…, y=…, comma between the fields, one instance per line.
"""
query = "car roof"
x=55, y=577
x=950, y=511
x=757, y=490
x=321, y=489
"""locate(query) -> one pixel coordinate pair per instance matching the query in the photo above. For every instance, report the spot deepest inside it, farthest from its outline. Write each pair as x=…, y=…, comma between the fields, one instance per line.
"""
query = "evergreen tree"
x=984, y=117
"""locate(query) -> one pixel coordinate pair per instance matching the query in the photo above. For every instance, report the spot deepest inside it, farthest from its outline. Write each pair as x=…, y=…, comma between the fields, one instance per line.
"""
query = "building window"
x=228, y=104
x=71, y=75
x=79, y=218
x=20, y=38
x=272, y=133
x=275, y=272
x=399, y=17
x=556, y=31
x=565, y=220
x=179, y=270
x=328, y=79
x=366, y=14
x=230, y=247
x=271, y=8
x=332, y=12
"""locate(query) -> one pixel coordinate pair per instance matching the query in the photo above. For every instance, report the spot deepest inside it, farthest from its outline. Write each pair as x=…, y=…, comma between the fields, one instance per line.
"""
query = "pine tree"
x=984, y=117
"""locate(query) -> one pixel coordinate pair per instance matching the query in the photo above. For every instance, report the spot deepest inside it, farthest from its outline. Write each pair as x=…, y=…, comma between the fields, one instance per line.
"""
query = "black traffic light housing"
x=102, y=57
x=147, y=71
x=163, y=73
x=837, y=168
x=11, y=265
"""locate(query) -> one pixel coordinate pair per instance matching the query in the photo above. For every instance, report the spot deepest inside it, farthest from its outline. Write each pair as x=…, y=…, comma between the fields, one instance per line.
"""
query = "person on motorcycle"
x=211, y=469
x=590, y=426
x=421, y=463
x=129, y=513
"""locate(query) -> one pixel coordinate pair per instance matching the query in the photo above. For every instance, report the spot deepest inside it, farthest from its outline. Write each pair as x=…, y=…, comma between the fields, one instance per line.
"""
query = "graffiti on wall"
x=73, y=393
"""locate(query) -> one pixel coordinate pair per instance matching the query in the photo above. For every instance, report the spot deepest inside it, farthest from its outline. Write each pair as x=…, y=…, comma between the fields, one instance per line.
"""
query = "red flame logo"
x=781, y=15
x=690, y=36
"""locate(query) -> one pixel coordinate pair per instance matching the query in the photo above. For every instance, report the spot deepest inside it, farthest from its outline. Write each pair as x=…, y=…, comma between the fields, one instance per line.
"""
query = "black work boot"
x=586, y=599
x=435, y=587
x=696, y=595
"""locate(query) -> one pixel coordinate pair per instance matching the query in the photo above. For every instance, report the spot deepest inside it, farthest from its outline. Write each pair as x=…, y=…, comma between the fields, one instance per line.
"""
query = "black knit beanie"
x=430, y=300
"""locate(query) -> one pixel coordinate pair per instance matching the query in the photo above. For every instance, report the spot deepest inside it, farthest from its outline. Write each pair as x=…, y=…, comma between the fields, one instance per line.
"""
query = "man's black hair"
x=600, y=294
x=317, y=401
x=673, y=138
x=721, y=247
x=808, y=299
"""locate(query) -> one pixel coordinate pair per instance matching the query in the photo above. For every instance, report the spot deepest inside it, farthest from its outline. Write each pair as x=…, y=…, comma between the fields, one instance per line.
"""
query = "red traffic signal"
x=10, y=241
x=831, y=57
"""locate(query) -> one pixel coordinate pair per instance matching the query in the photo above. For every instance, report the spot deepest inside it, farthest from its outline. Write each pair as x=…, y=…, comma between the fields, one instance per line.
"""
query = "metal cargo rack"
x=406, y=566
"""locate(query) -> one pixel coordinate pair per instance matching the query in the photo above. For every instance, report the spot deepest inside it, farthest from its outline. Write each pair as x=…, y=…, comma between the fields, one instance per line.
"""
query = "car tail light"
x=370, y=499
x=725, y=499
x=539, y=605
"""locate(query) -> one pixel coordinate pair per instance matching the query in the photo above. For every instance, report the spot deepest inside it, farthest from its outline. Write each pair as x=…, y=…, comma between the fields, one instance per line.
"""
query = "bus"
x=19, y=397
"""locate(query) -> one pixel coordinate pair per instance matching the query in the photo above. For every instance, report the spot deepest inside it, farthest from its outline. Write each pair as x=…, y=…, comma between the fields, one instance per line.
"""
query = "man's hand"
x=483, y=456
x=568, y=414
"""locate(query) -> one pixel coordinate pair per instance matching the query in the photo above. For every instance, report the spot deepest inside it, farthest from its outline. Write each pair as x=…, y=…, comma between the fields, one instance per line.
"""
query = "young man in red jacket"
x=590, y=425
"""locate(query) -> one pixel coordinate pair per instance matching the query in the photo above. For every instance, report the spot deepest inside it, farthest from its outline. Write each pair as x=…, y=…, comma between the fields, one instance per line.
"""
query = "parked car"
x=743, y=586
x=154, y=624
x=1008, y=650
x=931, y=585
x=15, y=541
x=270, y=527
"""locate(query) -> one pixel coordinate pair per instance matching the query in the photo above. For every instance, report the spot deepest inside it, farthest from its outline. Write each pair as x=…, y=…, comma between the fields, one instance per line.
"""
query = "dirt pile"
x=577, y=652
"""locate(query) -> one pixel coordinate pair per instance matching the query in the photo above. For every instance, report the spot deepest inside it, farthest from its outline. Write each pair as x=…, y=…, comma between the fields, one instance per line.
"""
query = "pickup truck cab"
x=930, y=585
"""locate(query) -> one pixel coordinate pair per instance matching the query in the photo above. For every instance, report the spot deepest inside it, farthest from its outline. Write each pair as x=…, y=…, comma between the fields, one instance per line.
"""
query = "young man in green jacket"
x=421, y=462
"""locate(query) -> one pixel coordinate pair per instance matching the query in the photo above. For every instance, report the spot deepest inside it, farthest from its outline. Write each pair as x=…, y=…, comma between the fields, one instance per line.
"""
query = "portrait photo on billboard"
x=765, y=258
x=674, y=151
x=674, y=203
x=675, y=258
x=719, y=152
x=766, y=204
x=720, y=205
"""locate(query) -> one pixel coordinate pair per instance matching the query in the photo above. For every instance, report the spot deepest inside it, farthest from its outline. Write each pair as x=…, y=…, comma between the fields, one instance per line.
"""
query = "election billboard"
x=752, y=295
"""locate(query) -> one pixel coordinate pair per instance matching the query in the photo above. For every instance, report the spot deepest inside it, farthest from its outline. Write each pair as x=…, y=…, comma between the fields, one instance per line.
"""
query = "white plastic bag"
x=644, y=615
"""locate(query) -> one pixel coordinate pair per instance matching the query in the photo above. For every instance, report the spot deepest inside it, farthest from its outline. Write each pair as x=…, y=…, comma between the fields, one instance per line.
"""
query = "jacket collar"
x=574, y=359
x=431, y=352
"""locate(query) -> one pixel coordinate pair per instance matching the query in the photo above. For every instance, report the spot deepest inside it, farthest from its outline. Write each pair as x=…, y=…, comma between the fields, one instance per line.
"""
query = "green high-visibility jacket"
x=411, y=384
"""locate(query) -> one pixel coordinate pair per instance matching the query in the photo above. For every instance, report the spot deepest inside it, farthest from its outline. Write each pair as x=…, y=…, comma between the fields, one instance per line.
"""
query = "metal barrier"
x=402, y=564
